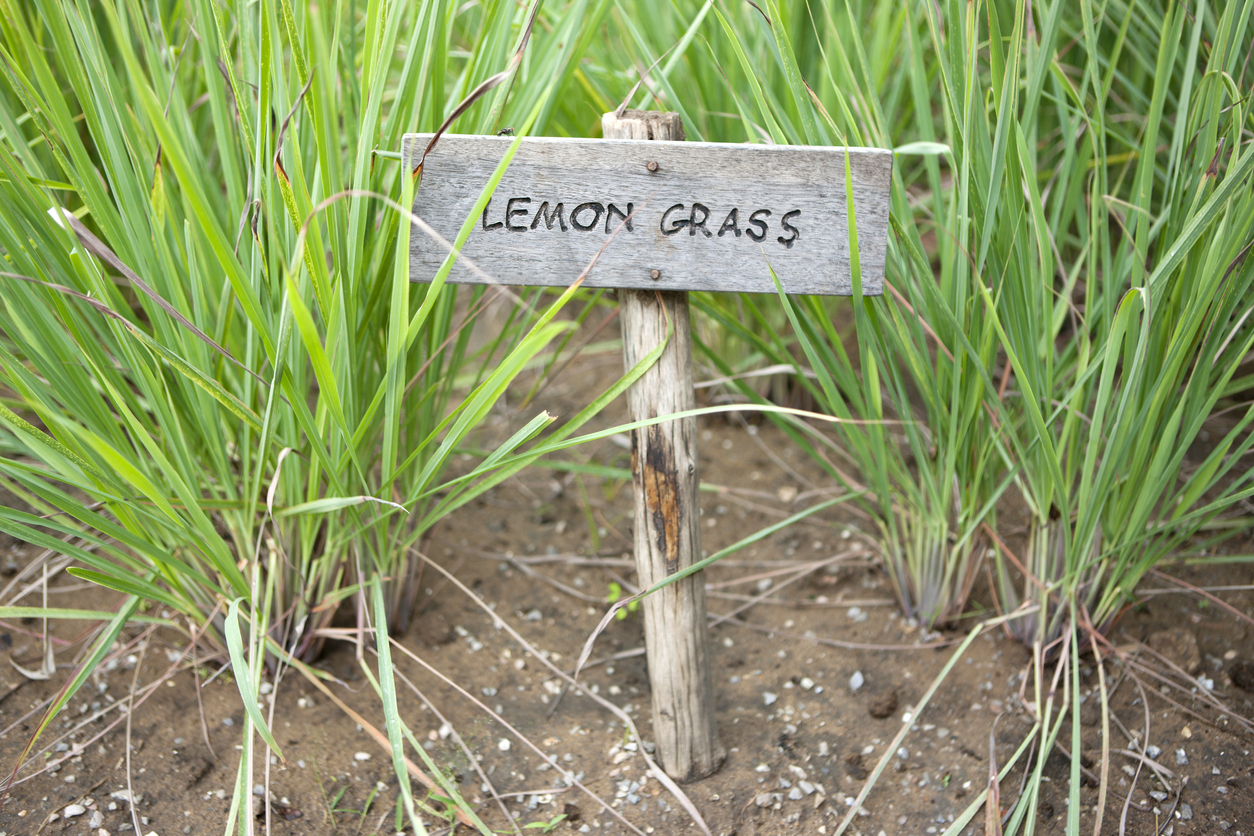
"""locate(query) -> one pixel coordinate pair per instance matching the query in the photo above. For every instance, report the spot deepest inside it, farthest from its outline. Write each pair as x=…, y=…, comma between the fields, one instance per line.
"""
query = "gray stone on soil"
x=763, y=799
x=1181, y=758
x=795, y=794
x=1185, y=811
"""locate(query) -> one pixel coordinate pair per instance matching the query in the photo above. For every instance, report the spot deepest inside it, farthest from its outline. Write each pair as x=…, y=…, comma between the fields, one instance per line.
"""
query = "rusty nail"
x=655, y=274
x=652, y=166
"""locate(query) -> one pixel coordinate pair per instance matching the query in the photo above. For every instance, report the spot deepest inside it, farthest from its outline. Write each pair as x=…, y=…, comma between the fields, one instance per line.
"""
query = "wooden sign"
x=693, y=215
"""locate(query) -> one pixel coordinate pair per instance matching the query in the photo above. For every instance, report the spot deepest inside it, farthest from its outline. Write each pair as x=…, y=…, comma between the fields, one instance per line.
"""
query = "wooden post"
x=668, y=516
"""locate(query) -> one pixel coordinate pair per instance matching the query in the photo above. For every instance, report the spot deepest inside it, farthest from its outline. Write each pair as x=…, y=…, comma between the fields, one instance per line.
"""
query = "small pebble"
x=266, y=688
x=73, y=810
x=763, y=799
x=762, y=768
x=1153, y=751
x=769, y=698
x=504, y=744
x=1181, y=758
x=362, y=756
x=856, y=681
x=796, y=794
x=534, y=615
x=765, y=584
x=807, y=683
x=1186, y=732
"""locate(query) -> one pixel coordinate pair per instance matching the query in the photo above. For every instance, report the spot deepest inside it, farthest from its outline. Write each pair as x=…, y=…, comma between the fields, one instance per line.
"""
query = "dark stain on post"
x=659, y=482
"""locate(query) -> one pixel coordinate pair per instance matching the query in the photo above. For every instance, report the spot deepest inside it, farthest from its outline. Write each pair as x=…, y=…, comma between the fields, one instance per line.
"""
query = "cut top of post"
x=662, y=215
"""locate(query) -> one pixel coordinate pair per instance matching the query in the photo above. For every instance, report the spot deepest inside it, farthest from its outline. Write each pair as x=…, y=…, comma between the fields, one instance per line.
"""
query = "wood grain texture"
x=667, y=515
x=704, y=216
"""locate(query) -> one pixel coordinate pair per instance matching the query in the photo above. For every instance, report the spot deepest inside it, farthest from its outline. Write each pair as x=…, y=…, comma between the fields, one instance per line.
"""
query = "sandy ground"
x=543, y=551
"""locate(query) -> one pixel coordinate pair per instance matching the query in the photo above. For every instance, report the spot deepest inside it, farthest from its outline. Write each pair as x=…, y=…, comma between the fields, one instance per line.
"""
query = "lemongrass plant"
x=1118, y=287
x=917, y=436
x=219, y=390
x=1109, y=388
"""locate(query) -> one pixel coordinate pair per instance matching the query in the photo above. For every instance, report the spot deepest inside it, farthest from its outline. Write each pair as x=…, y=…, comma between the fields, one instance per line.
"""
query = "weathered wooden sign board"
x=685, y=216
x=694, y=215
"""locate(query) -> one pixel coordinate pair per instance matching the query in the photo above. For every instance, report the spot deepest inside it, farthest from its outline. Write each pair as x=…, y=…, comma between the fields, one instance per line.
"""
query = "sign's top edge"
x=655, y=143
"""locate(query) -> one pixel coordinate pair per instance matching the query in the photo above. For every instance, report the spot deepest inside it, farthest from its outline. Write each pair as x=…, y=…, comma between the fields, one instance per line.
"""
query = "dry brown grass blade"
x=1127, y=802
x=101, y=250
x=992, y=806
x=1199, y=591
x=762, y=628
x=484, y=86
x=805, y=572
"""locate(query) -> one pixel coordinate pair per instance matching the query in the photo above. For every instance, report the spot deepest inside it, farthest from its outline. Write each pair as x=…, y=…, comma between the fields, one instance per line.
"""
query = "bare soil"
x=544, y=551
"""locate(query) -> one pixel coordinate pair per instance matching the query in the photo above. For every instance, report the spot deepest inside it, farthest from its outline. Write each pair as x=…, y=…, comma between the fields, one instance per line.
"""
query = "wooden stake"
x=668, y=516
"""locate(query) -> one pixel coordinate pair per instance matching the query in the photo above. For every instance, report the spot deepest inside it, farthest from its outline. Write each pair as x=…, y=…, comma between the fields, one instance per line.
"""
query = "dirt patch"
x=544, y=551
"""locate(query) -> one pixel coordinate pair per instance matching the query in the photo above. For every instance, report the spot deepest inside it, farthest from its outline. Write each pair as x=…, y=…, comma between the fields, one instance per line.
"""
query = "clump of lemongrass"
x=207, y=325
x=1121, y=335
